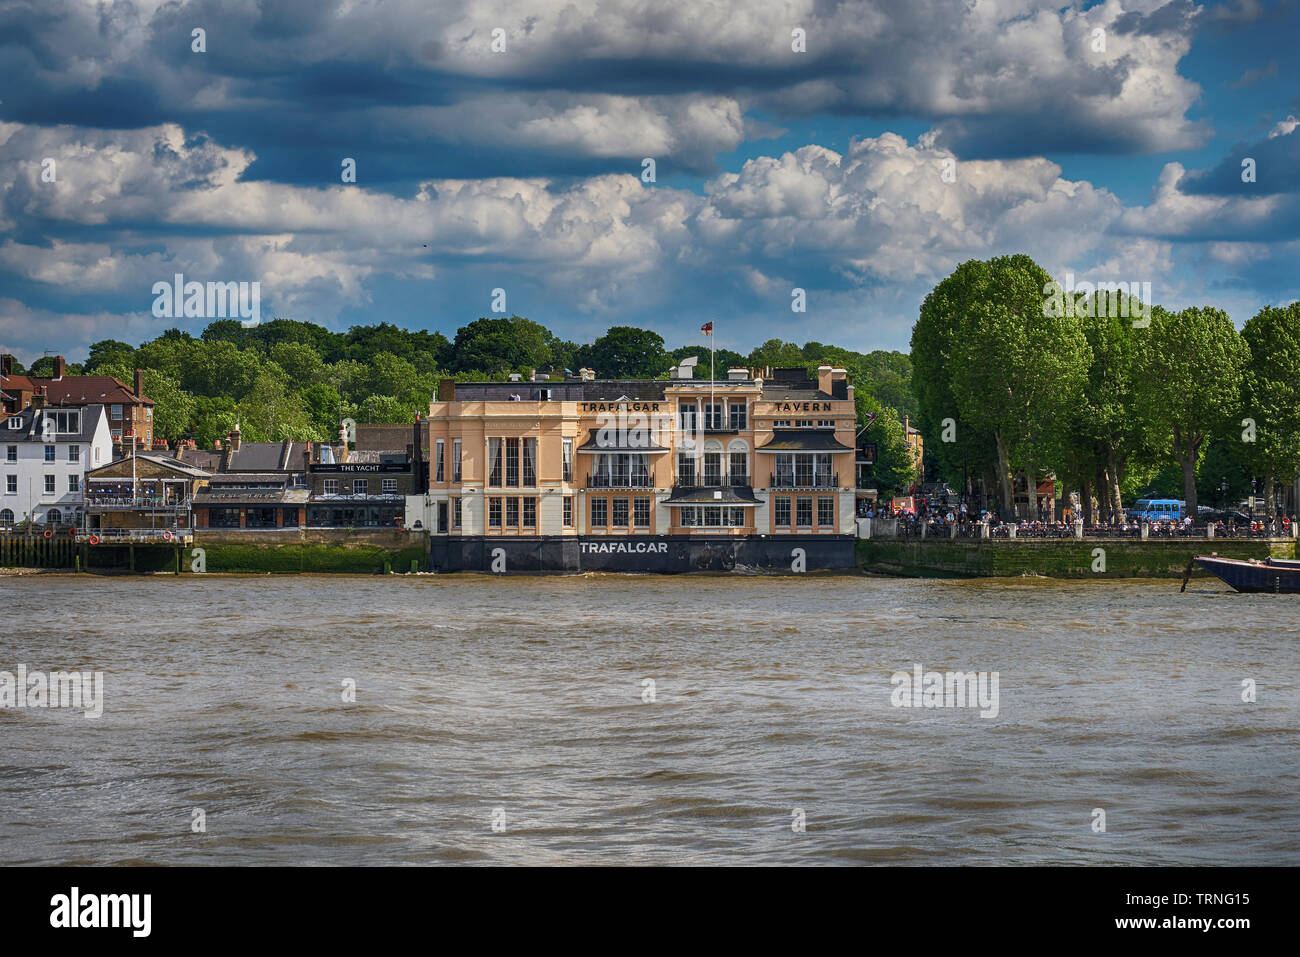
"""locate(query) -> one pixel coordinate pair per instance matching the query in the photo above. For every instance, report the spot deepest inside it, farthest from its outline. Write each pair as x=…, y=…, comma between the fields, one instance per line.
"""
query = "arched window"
x=53, y=516
x=6, y=517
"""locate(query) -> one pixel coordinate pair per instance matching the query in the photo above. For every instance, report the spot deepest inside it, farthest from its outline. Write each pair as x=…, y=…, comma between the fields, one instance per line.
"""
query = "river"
x=509, y=720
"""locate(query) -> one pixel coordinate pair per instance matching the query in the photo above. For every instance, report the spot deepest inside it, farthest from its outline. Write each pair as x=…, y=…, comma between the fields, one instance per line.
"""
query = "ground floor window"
x=568, y=511
x=712, y=516
x=518, y=512
x=223, y=518
x=6, y=517
x=360, y=515
x=54, y=516
x=599, y=513
x=261, y=518
x=641, y=512
x=782, y=511
x=455, y=513
x=803, y=512
x=620, y=513
x=826, y=511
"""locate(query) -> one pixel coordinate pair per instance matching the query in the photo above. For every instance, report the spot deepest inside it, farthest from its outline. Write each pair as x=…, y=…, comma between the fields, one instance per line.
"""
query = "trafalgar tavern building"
x=677, y=474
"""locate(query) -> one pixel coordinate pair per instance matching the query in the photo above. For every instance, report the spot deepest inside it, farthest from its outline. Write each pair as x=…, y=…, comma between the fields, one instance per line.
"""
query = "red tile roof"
x=86, y=389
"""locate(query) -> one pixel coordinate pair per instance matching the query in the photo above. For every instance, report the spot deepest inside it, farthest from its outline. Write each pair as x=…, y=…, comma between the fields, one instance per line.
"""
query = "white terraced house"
x=46, y=454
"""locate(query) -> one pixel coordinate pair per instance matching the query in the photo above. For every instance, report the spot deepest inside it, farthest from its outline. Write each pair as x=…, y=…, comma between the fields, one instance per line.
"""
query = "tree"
x=626, y=352
x=893, y=470
x=1189, y=382
x=174, y=407
x=109, y=352
x=494, y=346
x=776, y=353
x=300, y=362
x=324, y=407
x=212, y=419
x=1271, y=394
x=723, y=359
x=988, y=356
x=269, y=412
x=1019, y=371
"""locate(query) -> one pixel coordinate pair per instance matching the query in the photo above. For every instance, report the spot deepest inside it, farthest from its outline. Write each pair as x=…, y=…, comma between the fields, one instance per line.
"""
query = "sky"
x=855, y=151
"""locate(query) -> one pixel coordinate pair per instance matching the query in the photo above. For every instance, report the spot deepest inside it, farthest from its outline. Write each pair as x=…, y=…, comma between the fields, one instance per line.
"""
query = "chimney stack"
x=38, y=398
x=824, y=379
x=139, y=383
x=60, y=367
x=6, y=365
x=234, y=438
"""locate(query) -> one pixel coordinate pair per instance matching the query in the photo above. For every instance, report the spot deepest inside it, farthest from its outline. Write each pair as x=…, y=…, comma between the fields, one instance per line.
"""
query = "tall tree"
x=1191, y=371
x=1271, y=394
x=500, y=345
x=626, y=352
x=1020, y=371
x=992, y=370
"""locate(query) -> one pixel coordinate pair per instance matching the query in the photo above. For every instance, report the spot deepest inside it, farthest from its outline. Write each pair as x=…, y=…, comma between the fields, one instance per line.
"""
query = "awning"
x=804, y=440
x=735, y=495
x=620, y=440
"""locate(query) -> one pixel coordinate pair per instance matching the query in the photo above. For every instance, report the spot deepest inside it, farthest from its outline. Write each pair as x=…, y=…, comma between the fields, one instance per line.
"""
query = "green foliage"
x=270, y=412
x=212, y=419
x=1189, y=382
x=501, y=345
x=893, y=471
x=1271, y=393
x=291, y=379
x=625, y=352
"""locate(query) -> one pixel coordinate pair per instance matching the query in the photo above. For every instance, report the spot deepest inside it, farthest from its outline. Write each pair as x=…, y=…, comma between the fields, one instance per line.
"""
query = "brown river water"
x=518, y=702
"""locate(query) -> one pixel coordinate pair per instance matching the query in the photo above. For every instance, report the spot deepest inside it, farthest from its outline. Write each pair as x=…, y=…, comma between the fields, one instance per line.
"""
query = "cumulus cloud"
x=581, y=84
x=874, y=225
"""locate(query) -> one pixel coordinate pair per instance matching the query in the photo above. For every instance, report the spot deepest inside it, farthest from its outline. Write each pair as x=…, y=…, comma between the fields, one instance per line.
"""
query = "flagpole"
x=713, y=338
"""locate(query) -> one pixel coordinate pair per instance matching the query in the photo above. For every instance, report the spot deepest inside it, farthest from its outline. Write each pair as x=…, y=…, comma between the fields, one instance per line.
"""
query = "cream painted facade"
x=737, y=457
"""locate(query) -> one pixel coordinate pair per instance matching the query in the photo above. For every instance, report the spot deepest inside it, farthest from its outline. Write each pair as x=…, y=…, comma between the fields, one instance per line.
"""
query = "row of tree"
x=1116, y=397
x=287, y=379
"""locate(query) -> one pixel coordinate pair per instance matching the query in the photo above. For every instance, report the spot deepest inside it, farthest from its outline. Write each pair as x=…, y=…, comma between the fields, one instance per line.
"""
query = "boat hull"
x=1253, y=577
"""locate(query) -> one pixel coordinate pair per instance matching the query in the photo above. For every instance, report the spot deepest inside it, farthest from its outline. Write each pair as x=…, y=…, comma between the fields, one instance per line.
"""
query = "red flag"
x=707, y=328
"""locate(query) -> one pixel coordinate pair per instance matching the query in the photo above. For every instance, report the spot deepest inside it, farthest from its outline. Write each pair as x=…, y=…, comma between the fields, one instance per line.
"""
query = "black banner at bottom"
x=945, y=906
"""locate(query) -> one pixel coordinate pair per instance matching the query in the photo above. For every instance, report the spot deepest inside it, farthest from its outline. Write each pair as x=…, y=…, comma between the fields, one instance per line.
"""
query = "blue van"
x=1160, y=510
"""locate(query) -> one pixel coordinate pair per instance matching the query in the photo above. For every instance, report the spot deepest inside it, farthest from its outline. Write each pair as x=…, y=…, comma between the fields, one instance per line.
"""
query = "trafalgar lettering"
x=623, y=547
x=620, y=406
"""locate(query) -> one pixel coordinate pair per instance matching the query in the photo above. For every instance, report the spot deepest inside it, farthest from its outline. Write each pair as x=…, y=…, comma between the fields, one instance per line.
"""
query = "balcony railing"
x=140, y=503
x=109, y=535
x=735, y=480
x=621, y=480
x=793, y=481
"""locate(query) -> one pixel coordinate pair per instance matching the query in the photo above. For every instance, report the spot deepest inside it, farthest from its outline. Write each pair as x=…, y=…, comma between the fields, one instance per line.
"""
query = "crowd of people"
x=939, y=519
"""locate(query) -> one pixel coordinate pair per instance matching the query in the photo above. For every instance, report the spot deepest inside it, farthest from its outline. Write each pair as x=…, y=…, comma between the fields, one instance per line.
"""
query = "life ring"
x=94, y=539
x=167, y=534
x=48, y=533
x=72, y=532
